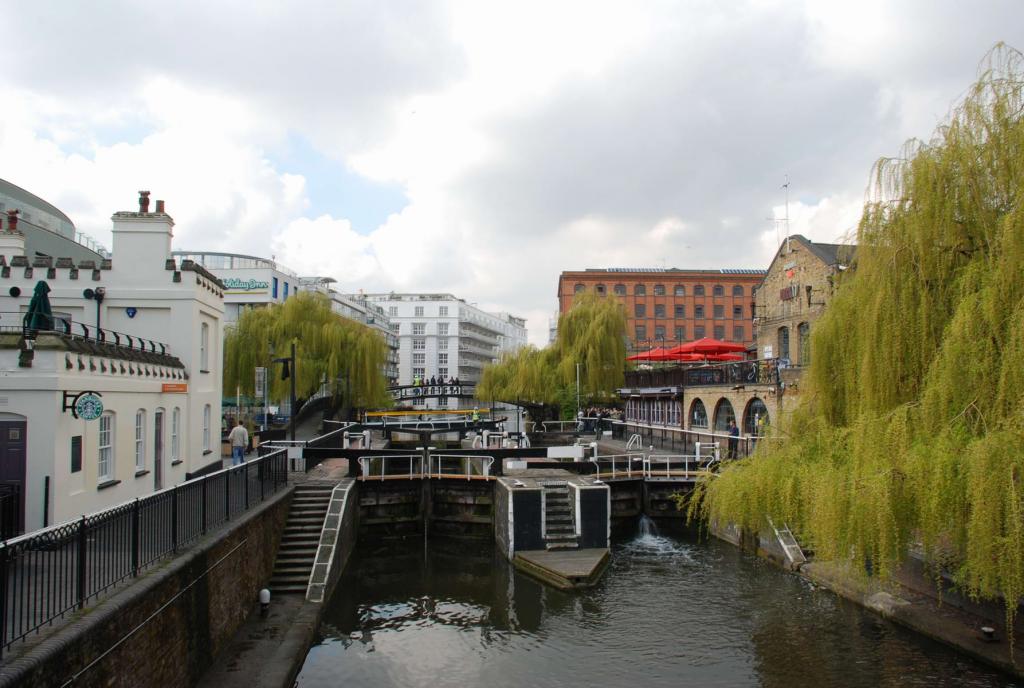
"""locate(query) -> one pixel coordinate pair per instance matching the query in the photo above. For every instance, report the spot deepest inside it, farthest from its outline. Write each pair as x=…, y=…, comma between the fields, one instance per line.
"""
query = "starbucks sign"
x=86, y=405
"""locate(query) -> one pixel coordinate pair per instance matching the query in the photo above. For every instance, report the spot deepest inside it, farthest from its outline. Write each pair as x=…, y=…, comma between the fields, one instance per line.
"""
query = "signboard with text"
x=174, y=387
x=425, y=391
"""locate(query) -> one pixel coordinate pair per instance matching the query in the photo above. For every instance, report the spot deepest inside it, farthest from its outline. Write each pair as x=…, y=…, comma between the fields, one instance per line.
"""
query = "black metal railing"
x=762, y=371
x=48, y=573
x=14, y=322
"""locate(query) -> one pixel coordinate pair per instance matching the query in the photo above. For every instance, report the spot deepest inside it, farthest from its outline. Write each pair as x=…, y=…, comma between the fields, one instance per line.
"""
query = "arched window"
x=204, y=347
x=723, y=414
x=105, y=464
x=755, y=418
x=600, y=289
x=619, y=289
x=698, y=290
x=140, y=440
x=640, y=290
x=206, y=428
x=698, y=414
x=679, y=290
x=578, y=289
x=175, y=435
x=803, y=334
x=718, y=290
x=737, y=290
x=783, y=342
x=659, y=289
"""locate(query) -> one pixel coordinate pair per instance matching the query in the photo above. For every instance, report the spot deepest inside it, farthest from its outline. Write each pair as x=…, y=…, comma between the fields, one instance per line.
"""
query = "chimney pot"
x=143, y=201
x=160, y=206
x=12, y=220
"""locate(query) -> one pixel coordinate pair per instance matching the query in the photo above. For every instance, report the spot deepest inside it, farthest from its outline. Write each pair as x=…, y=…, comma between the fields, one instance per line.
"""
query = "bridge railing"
x=466, y=466
x=680, y=466
x=613, y=466
x=48, y=573
x=391, y=467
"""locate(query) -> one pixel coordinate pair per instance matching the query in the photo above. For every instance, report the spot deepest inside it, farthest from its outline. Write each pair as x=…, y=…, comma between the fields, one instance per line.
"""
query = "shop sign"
x=174, y=387
x=236, y=284
x=86, y=405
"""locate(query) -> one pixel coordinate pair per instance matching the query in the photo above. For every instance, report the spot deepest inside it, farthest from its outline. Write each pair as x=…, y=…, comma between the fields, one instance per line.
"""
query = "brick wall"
x=188, y=609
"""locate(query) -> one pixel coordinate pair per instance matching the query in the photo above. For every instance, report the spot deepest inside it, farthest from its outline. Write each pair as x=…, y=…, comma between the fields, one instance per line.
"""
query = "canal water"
x=672, y=610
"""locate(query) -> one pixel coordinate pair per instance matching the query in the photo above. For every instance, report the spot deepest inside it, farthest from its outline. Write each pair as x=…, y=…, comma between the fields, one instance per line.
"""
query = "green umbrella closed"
x=39, y=316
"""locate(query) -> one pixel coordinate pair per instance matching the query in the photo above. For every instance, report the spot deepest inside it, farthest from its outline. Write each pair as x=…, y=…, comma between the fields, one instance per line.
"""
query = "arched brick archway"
x=723, y=414
x=755, y=411
x=697, y=416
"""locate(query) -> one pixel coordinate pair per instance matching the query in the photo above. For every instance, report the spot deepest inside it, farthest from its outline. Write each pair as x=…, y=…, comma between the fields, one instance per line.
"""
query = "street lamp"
x=288, y=372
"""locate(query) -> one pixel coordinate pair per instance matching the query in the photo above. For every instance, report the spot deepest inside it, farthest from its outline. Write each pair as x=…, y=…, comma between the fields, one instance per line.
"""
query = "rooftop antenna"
x=786, y=219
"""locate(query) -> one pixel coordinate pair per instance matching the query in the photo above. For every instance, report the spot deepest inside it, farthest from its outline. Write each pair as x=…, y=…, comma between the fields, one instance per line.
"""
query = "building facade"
x=444, y=337
x=249, y=281
x=795, y=292
x=667, y=306
x=123, y=395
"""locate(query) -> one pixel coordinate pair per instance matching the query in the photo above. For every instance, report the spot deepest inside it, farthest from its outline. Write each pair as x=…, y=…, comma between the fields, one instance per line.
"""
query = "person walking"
x=734, y=439
x=239, y=440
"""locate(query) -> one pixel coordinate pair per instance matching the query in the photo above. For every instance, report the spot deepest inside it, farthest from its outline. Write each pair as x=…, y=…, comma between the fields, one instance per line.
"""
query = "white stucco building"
x=444, y=337
x=141, y=334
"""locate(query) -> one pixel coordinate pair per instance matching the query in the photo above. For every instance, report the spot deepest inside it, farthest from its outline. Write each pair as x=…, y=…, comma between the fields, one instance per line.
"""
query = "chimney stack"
x=160, y=206
x=12, y=220
x=143, y=201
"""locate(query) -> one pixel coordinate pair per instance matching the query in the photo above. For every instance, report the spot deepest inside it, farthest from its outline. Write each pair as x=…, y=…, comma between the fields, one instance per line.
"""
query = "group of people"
x=417, y=381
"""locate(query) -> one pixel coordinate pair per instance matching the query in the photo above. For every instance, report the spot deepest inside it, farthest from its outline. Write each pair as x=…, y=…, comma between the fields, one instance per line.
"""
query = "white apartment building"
x=122, y=397
x=442, y=337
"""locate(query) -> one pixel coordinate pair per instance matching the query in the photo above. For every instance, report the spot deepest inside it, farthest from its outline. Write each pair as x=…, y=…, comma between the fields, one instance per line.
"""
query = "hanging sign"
x=261, y=382
x=86, y=405
x=176, y=387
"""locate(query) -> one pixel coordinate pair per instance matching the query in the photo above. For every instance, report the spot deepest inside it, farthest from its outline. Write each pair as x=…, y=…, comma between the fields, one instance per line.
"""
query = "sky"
x=480, y=148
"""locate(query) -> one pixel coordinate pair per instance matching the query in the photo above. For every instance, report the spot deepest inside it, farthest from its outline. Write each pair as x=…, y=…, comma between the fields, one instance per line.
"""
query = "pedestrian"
x=239, y=440
x=476, y=414
x=734, y=439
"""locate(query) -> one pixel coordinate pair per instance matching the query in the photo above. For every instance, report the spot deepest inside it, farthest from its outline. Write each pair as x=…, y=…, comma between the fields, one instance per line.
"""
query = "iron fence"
x=48, y=573
x=10, y=509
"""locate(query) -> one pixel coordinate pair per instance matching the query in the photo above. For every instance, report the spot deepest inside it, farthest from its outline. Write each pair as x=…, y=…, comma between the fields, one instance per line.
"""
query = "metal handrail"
x=692, y=464
x=482, y=465
x=635, y=442
x=621, y=465
x=414, y=462
x=560, y=423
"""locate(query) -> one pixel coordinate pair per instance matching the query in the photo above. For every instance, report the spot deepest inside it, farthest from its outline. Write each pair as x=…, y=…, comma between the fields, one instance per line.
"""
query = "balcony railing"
x=763, y=372
x=14, y=323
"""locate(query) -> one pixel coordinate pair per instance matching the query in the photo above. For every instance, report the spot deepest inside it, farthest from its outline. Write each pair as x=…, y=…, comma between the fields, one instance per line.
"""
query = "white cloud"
x=527, y=138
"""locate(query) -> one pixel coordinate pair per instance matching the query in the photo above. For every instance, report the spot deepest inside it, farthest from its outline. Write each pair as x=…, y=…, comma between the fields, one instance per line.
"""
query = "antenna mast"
x=786, y=187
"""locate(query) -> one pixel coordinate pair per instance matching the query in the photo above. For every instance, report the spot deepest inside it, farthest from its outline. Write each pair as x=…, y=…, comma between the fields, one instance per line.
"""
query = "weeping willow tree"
x=591, y=334
x=327, y=347
x=911, y=432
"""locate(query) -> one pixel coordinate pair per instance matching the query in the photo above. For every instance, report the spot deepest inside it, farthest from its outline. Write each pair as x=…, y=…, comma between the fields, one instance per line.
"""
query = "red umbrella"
x=725, y=357
x=652, y=355
x=707, y=346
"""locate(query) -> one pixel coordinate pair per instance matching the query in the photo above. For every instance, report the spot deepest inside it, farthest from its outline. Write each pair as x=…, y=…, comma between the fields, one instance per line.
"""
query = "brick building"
x=669, y=306
x=796, y=289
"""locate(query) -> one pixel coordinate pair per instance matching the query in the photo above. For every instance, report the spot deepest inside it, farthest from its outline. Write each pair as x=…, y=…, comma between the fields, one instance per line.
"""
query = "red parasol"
x=707, y=346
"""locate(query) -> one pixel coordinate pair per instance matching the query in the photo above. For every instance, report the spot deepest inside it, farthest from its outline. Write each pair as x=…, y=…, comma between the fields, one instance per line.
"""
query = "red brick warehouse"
x=670, y=306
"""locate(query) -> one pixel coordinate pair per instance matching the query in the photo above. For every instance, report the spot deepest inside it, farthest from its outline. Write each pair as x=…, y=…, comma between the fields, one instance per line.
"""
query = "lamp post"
x=288, y=373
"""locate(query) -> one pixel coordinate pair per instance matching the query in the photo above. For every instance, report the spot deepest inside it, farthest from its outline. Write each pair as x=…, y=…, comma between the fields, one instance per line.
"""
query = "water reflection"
x=670, y=611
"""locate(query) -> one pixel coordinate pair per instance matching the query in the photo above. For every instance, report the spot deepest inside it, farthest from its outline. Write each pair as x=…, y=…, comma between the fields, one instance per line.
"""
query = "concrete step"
x=303, y=527
x=560, y=539
x=552, y=547
x=288, y=589
x=304, y=520
x=300, y=543
x=560, y=528
x=292, y=570
x=297, y=555
x=290, y=579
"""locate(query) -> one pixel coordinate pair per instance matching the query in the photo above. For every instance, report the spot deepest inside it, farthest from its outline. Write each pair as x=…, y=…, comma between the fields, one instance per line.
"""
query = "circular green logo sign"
x=88, y=406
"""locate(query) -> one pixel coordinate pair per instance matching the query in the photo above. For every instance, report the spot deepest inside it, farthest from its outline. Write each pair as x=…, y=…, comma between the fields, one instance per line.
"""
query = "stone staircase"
x=301, y=537
x=559, y=526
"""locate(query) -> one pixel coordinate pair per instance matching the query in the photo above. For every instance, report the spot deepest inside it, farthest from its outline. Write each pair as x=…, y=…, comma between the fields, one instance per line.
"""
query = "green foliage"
x=326, y=344
x=912, y=427
x=591, y=334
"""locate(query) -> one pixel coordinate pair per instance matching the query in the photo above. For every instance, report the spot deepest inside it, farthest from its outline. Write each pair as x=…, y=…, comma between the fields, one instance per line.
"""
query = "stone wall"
x=165, y=628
